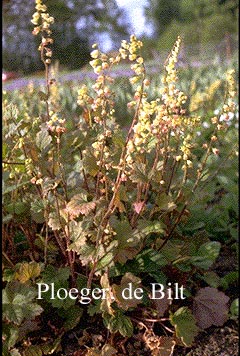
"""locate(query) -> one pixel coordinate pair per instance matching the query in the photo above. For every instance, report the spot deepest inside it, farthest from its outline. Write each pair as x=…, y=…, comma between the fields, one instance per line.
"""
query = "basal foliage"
x=94, y=204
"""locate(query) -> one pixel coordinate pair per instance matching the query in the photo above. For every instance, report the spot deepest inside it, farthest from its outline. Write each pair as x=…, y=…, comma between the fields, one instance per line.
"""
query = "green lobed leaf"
x=147, y=227
x=127, y=247
x=105, y=260
x=149, y=260
x=12, y=188
x=10, y=335
x=78, y=232
x=55, y=222
x=78, y=229
x=52, y=274
x=8, y=274
x=206, y=255
x=33, y=350
x=90, y=164
x=139, y=174
x=59, y=278
x=17, y=208
x=43, y=139
x=72, y=315
x=185, y=325
x=234, y=308
x=40, y=242
x=86, y=253
x=37, y=211
x=18, y=302
x=122, y=229
x=95, y=308
x=119, y=323
x=228, y=279
x=165, y=202
x=171, y=250
x=212, y=279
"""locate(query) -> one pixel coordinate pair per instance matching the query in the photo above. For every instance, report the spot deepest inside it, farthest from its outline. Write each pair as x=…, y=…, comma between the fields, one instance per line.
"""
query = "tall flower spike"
x=42, y=21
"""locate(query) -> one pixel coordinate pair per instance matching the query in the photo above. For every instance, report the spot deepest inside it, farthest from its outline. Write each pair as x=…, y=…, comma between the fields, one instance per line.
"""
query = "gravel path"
x=81, y=75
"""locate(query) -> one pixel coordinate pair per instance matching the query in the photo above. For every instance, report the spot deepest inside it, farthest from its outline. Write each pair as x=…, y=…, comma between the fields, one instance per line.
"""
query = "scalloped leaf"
x=212, y=279
x=79, y=205
x=59, y=277
x=78, y=232
x=52, y=274
x=37, y=211
x=119, y=322
x=139, y=174
x=72, y=315
x=10, y=334
x=165, y=202
x=43, y=139
x=18, y=208
x=234, y=308
x=147, y=227
x=90, y=164
x=185, y=325
x=105, y=260
x=210, y=307
x=206, y=255
x=27, y=271
x=126, y=249
x=123, y=303
x=229, y=278
x=18, y=302
x=54, y=222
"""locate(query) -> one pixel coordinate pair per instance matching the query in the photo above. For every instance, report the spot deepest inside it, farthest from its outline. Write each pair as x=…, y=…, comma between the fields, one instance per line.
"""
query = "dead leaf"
x=79, y=205
x=131, y=282
x=166, y=346
x=106, y=303
x=210, y=307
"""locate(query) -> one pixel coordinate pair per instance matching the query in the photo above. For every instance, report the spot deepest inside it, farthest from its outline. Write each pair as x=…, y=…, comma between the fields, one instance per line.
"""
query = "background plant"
x=90, y=202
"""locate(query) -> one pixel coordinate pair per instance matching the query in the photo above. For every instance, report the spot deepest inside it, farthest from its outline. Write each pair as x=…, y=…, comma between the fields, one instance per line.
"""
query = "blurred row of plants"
x=191, y=80
x=80, y=23
x=198, y=22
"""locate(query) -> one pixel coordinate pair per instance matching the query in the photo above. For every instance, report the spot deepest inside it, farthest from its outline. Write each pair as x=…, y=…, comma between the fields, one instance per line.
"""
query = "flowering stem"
x=112, y=206
x=174, y=226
